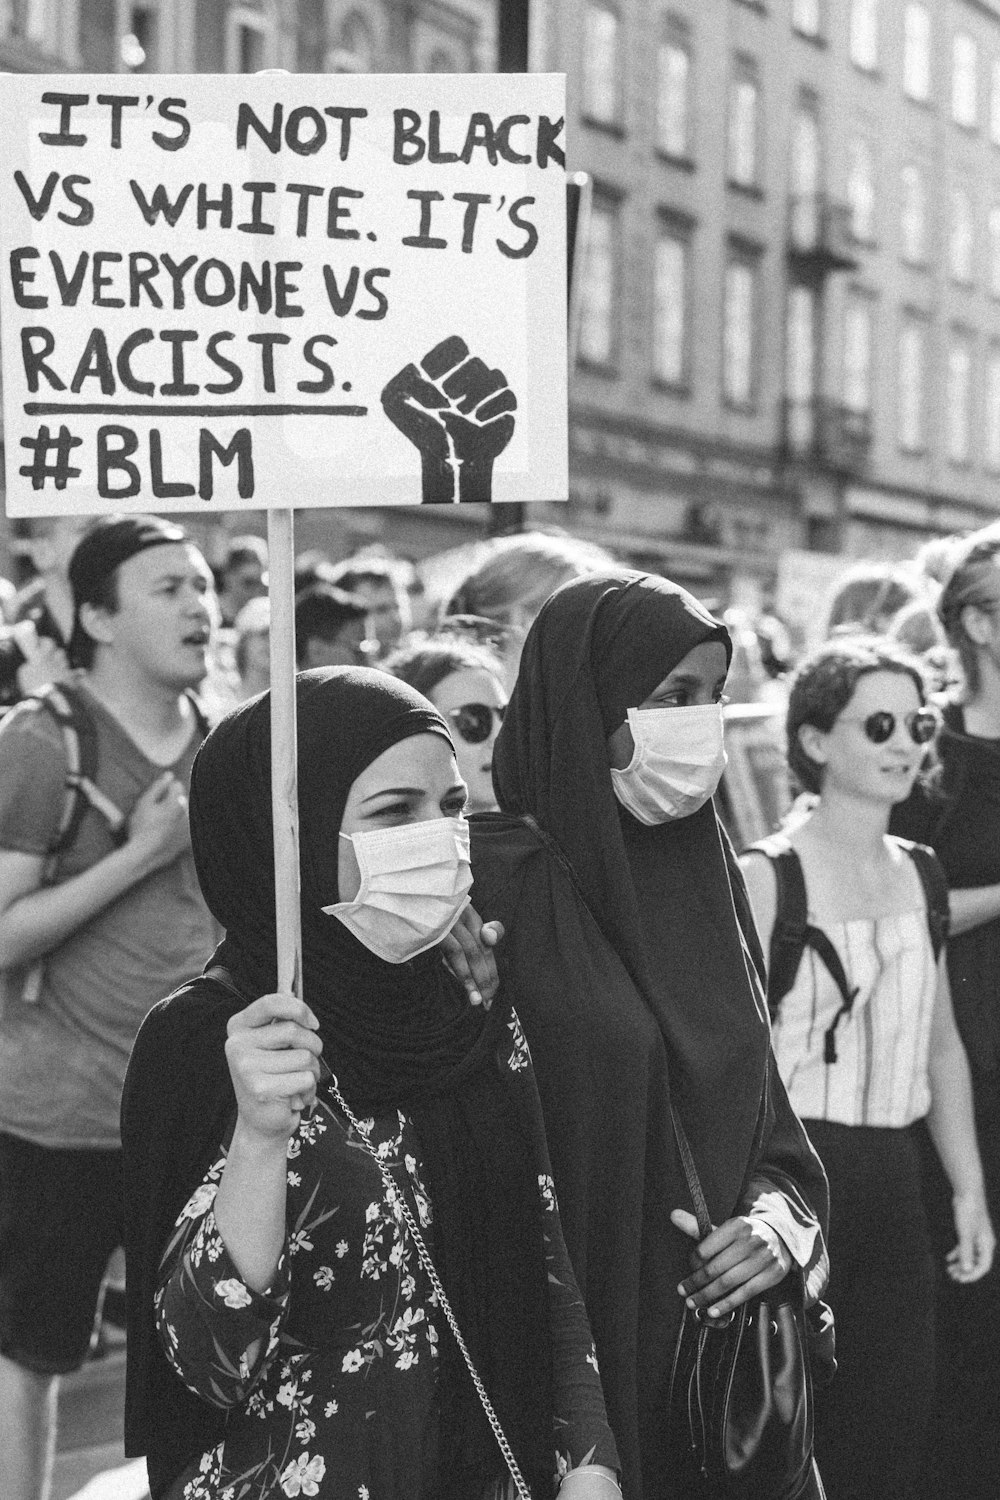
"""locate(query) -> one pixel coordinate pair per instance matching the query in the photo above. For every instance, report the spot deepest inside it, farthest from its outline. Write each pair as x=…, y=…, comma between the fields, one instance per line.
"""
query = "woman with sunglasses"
x=866, y=1043
x=463, y=679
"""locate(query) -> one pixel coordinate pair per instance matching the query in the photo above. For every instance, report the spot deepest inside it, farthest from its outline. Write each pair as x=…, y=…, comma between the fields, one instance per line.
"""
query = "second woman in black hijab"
x=283, y=1336
x=632, y=958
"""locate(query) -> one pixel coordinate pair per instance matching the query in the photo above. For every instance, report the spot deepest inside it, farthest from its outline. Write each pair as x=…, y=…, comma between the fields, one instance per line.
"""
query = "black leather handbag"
x=741, y=1388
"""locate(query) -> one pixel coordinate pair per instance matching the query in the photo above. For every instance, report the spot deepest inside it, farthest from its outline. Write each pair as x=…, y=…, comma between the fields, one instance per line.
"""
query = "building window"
x=806, y=16
x=917, y=52
x=800, y=368
x=599, y=292
x=992, y=424
x=672, y=300
x=959, y=398
x=601, y=64
x=248, y=41
x=859, y=321
x=861, y=189
x=994, y=235
x=961, y=244
x=744, y=108
x=29, y=18
x=964, y=87
x=354, y=48
x=139, y=40
x=739, y=318
x=674, y=94
x=805, y=175
x=913, y=215
x=864, y=34
x=912, y=340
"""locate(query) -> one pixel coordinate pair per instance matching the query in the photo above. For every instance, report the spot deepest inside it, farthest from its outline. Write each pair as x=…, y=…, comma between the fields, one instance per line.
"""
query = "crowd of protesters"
x=577, y=705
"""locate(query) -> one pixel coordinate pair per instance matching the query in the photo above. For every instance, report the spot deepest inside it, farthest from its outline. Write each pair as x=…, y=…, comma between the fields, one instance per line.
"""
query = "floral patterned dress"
x=329, y=1376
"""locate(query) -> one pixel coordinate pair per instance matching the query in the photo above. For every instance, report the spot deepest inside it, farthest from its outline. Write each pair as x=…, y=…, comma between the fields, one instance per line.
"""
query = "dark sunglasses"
x=474, y=721
x=881, y=725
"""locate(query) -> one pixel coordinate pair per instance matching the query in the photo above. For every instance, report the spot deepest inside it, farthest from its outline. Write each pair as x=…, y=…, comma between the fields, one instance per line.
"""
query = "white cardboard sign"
x=272, y=291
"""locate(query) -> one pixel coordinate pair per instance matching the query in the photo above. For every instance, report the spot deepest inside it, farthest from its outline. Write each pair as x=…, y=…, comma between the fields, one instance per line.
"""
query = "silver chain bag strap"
x=402, y=1210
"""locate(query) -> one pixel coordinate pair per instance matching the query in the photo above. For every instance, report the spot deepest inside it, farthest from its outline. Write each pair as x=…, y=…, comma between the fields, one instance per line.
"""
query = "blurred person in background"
x=100, y=916
x=866, y=1043
x=252, y=649
x=33, y=652
x=464, y=681
x=8, y=600
x=867, y=598
x=312, y=566
x=516, y=576
x=376, y=583
x=959, y=817
x=331, y=629
x=242, y=575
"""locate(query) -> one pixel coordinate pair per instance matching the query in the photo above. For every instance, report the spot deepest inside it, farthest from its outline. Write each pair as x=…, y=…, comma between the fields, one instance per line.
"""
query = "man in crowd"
x=91, y=937
x=242, y=576
x=376, y=583
x=329, y=628
x=34, y=652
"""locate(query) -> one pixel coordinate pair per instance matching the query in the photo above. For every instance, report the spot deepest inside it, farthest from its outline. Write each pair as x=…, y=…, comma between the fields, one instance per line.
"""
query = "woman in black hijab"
x=632, y=958
x=283, y=1336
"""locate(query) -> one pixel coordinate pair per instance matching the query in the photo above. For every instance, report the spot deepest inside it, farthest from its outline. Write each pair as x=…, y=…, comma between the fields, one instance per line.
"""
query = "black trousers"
x=872, y=1421
x=964, y=1451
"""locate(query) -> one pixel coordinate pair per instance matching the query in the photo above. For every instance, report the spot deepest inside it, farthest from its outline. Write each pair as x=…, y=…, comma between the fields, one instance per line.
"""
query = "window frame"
x=676, y=33
x=958, y=110
x=919, y=257
x=962, y=274
x=959, y=336
x=863, y=236
x=926, y=57
x=912, y=322
x=864, y=13
x=991, y=397
x=859, y=297
x=678, y=229
x=608, y=202
x=744, y=70
x=614, y=121
x=742, y=254
x=241, y=18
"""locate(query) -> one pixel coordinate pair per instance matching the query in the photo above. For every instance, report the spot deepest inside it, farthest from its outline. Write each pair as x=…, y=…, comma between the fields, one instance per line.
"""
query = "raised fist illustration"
x=459, y=414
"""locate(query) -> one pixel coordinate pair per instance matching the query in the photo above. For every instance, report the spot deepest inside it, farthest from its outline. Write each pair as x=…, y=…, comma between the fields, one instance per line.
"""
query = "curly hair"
x=973, y=581
x=426, y=661
x=824, y=684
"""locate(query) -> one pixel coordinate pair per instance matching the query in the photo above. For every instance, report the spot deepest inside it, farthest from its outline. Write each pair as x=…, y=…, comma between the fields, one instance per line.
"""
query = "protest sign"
x=273, y=291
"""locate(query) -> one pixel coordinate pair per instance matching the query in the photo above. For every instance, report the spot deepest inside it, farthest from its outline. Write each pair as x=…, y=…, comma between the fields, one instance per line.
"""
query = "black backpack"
x=793, y=932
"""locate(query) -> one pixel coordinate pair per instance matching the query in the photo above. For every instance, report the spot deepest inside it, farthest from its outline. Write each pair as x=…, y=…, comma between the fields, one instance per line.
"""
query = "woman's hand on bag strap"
x=740, y=1259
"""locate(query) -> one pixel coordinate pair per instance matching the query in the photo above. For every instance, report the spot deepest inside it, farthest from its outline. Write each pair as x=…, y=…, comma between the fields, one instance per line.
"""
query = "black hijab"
x=396, y=1035
x=668, y=898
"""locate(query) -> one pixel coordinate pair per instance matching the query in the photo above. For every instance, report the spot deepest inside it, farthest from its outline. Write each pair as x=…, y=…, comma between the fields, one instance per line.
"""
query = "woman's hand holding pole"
x=273, y=1054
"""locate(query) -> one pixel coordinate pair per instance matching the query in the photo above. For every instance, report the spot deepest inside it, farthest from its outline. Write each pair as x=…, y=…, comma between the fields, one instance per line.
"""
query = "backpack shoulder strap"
x=788, y=935
x=935, y=884
x=79, y=736
x=793, y=933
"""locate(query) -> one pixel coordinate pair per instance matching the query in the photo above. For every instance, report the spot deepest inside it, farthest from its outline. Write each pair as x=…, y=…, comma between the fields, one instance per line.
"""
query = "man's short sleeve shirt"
x=63, y=1055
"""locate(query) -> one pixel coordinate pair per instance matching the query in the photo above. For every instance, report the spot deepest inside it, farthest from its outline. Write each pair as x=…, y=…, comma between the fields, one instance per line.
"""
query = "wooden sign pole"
x=284, y=749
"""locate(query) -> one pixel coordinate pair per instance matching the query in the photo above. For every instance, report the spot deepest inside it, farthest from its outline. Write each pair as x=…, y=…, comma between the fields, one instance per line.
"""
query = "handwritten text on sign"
x=275, y=291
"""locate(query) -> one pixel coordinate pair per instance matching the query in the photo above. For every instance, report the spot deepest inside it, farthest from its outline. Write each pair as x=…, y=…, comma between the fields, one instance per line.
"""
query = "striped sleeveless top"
x=880, y=1075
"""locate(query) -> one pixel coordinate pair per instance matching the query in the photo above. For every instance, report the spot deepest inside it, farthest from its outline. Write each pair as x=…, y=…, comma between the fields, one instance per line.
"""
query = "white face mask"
x=415, y=883
x=677, y=764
